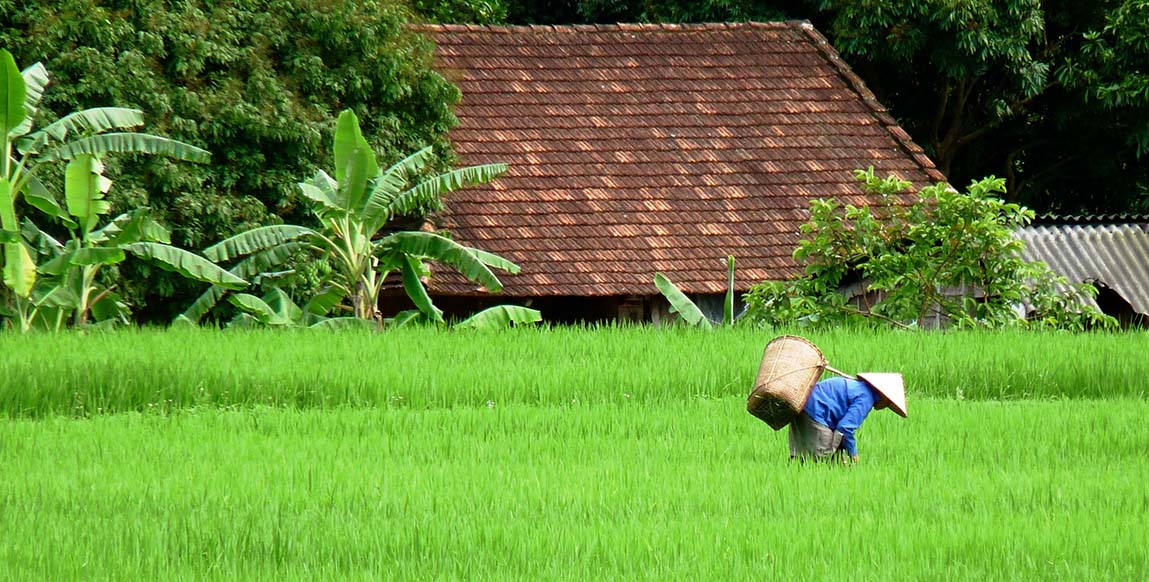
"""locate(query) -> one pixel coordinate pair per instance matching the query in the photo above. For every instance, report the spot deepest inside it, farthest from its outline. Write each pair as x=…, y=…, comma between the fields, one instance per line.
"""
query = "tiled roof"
x=635, y=149
x=1115, y=254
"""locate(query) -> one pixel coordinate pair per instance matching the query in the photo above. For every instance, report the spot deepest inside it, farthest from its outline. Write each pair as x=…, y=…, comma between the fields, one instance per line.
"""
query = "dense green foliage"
x=667, y=489
x=47, y=282
x=142, y=370
x=257, y=83
x=1050, y=94
x=355, y=208
x=937, y=257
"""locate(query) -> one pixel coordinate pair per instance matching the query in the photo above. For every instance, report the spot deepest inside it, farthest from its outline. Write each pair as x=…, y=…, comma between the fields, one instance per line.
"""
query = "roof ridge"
x=879, y=110
x=616, y=27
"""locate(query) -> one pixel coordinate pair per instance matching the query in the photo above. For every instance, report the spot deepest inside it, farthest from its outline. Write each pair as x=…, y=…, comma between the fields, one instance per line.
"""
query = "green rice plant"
x=679, y=488
x=424, y=368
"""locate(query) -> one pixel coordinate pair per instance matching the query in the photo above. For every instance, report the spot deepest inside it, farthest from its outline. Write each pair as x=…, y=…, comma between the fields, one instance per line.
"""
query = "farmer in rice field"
x=835, y=410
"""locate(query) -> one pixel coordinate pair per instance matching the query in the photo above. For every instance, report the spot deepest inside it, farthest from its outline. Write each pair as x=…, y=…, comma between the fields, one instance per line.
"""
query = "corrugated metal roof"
x=1114, y=254
x=1124, y=218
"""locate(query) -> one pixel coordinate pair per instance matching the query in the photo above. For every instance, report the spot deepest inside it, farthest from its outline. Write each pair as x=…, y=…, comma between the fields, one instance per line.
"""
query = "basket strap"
x=840, y=373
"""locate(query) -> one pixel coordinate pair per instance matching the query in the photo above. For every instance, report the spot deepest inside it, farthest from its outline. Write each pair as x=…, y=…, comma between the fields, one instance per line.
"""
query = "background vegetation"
x=149, y=370
x=1051, y=95
x=258, y=83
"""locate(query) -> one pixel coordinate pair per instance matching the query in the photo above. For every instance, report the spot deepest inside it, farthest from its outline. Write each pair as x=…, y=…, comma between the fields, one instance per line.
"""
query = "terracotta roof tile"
x=635, y=149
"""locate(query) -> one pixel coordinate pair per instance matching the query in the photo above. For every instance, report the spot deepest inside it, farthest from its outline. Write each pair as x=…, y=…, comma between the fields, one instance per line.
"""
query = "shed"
x=637, y=149
x=1111, y=252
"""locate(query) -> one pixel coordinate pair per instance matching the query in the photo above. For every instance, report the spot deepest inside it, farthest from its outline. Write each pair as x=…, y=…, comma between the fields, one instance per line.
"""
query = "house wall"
x=654, y=309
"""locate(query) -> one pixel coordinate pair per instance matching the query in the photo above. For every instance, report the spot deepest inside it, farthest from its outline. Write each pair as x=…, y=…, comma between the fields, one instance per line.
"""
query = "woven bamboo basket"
x=791, y=365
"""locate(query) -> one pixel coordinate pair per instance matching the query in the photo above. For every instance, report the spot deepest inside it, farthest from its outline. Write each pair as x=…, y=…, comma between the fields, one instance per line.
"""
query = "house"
x=638, y=149
x=1111, y=252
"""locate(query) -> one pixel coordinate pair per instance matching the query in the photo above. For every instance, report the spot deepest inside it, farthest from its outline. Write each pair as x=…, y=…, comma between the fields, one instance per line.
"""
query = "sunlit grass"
x=157, y=370
x=687, y=488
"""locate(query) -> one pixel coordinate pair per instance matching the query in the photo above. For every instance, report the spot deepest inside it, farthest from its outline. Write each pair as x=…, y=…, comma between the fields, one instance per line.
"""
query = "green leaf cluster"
x=353, y=209
x=44, y=295
x=256, y=82
x=917, y=260
x=688, y=310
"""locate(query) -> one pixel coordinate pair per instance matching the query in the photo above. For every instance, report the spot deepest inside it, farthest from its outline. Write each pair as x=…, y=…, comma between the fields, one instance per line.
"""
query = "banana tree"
x=687, y=309
x=276, y=309
x=91, y=132
x=352, y=209
x=68, y=282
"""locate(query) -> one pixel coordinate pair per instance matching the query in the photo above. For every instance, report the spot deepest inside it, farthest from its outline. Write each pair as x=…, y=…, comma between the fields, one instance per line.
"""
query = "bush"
x=937, y=253
x=258, y=83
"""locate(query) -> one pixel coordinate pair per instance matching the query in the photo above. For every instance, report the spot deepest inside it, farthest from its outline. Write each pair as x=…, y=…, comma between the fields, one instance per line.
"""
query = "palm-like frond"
x=129, y=227
x=493, y=260
x=84, y=189
x=679, y=302
x=341, y=323
x=126, y=143
x=444, y=250
x=88, y=121
x=43, y=200
x=13, y=90
x=97, y=256
x=428, y=194
x=35, y=80
x=355, y=161
x=501, y=316
x=377, y=208
x=258, y=309
x=186, y=263
x=251, y=266
x=412, y=270
x=258, y=240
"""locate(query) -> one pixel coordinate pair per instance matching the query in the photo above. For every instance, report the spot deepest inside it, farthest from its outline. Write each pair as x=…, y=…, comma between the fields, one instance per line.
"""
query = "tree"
x=1048, y=94
x=69, y=286
x=940, y=253
x=78, y=138
x=1011, y=88
x=353, y=208
x=259, y=83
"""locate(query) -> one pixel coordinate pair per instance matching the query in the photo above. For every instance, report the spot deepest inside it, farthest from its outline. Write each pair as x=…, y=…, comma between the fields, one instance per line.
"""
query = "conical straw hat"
x=890, y=386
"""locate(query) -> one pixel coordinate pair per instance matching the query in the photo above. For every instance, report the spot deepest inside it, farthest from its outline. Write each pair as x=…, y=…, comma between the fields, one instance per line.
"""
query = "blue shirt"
x=842, y=405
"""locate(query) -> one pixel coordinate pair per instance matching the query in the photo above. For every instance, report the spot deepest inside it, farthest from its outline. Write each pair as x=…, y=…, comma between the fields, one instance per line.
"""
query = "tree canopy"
x=257, y=83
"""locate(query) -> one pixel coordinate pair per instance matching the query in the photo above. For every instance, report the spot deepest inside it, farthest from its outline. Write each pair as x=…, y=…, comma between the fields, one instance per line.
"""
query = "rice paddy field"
x=617, y=453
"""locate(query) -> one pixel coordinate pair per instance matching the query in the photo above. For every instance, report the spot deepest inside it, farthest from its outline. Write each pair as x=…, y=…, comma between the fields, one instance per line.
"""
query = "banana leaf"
x=257, y=240
x=679, y=302
x=501, y=316
x=257, y=308
x=84, y=189
x=126, y=143
x=186, y=263
x=355, y=163
x=43, y=200
x=88, y=121
x=13, y=90
x=412, y=270
x=444, y=250
x=340, y=323
x=35, y=80
x=377, y=208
